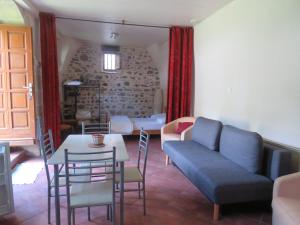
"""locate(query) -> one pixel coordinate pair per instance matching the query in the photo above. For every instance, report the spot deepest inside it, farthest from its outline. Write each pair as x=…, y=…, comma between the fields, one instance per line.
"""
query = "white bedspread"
x=125, y=125
x=146, y=123
x=121, y=125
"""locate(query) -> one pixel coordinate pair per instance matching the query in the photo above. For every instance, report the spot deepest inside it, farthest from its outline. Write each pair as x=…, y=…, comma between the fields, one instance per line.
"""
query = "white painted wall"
x=247, y=68
x=160, y=56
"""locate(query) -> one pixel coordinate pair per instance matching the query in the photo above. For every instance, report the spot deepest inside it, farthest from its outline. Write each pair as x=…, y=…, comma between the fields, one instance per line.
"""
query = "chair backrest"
x=102, y=128
x=91, y=165
x=47, y=149
x=143, y=151
x=184, y=119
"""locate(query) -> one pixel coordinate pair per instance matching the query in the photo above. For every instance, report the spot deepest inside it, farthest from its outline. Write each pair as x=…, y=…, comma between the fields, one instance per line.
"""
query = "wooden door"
x=17, y=120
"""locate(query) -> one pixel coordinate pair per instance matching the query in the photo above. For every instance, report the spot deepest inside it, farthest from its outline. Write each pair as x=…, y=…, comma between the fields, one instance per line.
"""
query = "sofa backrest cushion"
x=207, y=132
x=243, y=147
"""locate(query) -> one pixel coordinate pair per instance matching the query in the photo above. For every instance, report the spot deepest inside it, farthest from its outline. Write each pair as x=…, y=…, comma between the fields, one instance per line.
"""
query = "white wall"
x=247, y=68
x=160, y=57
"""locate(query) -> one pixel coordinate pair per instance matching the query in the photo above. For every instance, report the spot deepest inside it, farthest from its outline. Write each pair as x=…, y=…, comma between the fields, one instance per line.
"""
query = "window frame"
x=117, y=56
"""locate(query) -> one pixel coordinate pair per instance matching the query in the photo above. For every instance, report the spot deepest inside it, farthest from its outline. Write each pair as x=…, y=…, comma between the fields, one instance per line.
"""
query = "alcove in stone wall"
x=129, y=92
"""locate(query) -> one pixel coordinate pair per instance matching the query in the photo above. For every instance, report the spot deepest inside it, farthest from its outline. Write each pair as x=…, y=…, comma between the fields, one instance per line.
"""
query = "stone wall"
x=129, y=92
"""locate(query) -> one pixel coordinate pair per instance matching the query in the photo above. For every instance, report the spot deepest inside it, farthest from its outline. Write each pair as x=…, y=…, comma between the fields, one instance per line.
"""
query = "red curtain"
x=180, y=72
x=51, y=103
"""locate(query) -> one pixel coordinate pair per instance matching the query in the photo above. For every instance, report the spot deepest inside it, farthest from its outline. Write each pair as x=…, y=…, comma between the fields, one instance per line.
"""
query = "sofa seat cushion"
x=286, y=210
x=220, y=179
x=243, y=147
x=188, y=155
x=227, y=182
x=207, y=132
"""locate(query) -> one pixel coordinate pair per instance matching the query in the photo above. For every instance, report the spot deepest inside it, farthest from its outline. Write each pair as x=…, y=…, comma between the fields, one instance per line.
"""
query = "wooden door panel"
x=1, y=62
x=2, y=107
x=17, y=60
x=18, y=80
x=1, y=39
x=20, y=120
x=1, y=80
x=19, y=101
x=3, y=124
x=17, y=120
x=17, y=40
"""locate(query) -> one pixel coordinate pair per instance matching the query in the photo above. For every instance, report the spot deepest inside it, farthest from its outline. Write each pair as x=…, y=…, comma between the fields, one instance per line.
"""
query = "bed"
x=131, y=126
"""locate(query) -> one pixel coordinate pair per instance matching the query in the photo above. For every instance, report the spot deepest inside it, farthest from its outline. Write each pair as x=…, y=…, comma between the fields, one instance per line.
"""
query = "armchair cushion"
x=171, y=137
x=286, y=211
x=287, y=186
x=183, y=126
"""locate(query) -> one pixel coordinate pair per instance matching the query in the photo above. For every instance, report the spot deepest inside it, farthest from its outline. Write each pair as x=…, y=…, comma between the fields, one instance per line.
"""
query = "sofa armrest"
x=287, y=186
x=186, y=134
x=277, y=161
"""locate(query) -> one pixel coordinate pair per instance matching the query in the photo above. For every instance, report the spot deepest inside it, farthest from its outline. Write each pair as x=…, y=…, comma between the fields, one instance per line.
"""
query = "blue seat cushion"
x=243, y=147
x=220, y=179
x=207, y=132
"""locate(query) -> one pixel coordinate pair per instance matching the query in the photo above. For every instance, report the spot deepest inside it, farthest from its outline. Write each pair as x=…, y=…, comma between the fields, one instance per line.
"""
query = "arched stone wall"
x=129, y=92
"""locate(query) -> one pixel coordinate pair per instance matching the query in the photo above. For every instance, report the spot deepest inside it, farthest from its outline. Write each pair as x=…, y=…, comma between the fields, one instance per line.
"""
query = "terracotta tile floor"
x=171, y=200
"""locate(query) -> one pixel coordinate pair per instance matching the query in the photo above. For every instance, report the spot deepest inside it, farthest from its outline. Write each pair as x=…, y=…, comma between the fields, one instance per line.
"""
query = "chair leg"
x=139, y=187
x=167, y=160
x=107, y=212
x=111, y=213
x=144, y=197
x=89, y=213
x=49, y=205
x=216, y=213
x=69, y=212
x=73, y=216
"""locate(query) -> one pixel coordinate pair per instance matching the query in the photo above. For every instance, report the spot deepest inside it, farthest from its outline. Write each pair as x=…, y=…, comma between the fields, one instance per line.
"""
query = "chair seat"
x=91, y=194
x=62, y=180
x=131, y=174
x=172, y=137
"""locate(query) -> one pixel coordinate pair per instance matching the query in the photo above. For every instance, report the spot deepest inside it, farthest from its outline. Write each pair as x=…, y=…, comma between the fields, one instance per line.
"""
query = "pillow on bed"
x=161, y=118
x=183, y=126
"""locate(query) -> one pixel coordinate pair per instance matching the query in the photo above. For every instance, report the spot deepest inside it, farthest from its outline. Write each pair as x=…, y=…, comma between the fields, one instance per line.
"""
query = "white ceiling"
x=150, y=12
x=101, y=33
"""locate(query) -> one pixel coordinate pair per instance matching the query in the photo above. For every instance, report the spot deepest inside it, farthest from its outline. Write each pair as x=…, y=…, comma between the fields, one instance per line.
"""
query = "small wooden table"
x=79, y=143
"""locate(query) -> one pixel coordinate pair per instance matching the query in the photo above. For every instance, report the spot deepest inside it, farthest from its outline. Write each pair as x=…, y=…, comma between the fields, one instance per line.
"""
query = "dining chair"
x=99, y=190
x=102, y=128
x=47, y=150
x=136, y=174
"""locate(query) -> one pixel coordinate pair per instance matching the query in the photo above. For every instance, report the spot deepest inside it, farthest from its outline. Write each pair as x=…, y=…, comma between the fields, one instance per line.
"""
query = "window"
x=111, y=62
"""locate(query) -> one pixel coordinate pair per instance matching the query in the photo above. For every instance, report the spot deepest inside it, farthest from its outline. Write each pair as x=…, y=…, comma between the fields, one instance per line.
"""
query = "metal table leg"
x=121, y=193
x=57, y=204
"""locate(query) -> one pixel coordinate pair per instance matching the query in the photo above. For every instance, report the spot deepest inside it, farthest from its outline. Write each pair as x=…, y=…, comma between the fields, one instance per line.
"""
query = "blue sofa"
x=227, y=164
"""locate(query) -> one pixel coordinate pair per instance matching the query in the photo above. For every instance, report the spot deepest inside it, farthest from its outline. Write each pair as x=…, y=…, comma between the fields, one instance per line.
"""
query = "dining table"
x=84, y=143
